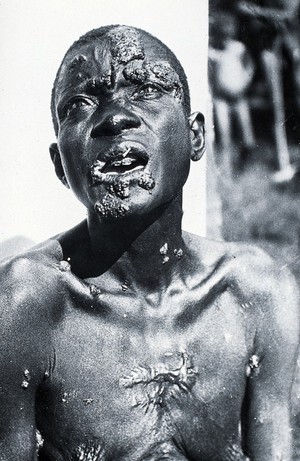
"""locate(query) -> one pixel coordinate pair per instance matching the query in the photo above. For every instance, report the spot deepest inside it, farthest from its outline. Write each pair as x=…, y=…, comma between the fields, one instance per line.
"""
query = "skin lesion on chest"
x=153, y=385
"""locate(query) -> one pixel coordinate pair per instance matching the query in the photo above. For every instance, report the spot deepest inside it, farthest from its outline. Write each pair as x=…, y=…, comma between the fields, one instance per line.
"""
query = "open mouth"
x=128, y=162
x=119, y=163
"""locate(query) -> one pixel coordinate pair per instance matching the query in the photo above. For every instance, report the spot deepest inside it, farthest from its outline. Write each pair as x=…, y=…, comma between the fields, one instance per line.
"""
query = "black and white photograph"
x=150, y=230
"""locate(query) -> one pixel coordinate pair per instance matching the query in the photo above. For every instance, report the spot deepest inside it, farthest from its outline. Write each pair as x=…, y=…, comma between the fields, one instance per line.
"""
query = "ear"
x=55, y=157
x=196, y=122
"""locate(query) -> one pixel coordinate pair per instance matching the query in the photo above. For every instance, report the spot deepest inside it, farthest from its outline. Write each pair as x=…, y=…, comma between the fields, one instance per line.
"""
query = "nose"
x=114, y=120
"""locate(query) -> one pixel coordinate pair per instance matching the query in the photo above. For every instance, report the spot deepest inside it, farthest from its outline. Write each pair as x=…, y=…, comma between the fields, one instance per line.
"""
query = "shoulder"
x=264, y=286
x=30, y=280
x=27, y=265
x=243, y=260
x=236, y=256
x=29, y=312
x=249, y=270
x=270, y=292
x=255, y=272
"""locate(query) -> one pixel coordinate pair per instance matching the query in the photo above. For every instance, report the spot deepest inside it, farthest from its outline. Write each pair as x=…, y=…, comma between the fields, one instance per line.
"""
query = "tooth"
x=127, y=161
x=117, y=163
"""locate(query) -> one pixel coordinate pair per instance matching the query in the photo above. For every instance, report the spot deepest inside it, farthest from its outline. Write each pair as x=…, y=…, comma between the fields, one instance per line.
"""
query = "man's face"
x=124, y=137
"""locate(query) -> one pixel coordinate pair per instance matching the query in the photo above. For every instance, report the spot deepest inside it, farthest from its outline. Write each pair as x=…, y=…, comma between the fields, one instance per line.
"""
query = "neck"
x=141, y=251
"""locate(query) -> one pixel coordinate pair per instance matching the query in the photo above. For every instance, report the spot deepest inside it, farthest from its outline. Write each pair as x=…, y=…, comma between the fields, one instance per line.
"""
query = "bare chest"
x=126, y=389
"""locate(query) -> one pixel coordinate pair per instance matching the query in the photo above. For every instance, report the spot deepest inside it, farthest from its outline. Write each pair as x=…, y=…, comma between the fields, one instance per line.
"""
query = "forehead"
x=121, y=47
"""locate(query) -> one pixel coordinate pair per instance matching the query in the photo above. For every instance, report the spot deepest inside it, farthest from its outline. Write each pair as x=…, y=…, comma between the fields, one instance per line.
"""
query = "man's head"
x=112, y=30
x=120, y=107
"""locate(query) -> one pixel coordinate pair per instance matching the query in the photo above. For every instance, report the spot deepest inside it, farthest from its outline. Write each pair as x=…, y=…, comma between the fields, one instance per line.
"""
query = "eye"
x=148, y=91
x=75, y=104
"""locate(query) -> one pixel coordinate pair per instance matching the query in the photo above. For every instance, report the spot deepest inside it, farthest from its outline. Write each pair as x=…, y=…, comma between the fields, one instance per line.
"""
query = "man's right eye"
x=76, y=104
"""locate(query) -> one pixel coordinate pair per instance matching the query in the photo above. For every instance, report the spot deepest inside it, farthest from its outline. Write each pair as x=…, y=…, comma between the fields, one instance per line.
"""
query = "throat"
x=152, y=267
x=145, y=250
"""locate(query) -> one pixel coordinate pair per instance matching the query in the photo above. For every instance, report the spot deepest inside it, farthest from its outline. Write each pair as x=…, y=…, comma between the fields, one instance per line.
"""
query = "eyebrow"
x=87, y=85
x=161, y=72
x=158, y=71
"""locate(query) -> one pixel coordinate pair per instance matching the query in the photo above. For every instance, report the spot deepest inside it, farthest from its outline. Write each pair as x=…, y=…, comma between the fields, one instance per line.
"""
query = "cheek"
x=178, y=147
x=73, y=146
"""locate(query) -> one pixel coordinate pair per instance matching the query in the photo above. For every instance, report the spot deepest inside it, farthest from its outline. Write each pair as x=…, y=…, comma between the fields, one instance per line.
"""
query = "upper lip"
x=120, y=157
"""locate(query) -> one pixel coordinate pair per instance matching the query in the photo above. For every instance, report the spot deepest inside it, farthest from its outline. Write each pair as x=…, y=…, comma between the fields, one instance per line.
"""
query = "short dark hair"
x=95, y=34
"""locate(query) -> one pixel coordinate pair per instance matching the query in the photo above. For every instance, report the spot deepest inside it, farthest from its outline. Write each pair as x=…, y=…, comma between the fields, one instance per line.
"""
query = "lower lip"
x=108, y=178
x=125, y=173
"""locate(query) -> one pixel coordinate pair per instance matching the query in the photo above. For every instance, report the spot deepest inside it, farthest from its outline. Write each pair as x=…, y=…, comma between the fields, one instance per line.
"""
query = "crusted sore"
x=125, y=45
x=161, y=72
x=234, y=453
x=253, y=366
x=110, y=207
x=156, y=384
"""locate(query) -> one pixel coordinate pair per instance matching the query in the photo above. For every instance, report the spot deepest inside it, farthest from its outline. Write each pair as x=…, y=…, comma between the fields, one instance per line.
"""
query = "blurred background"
x=254, y=77
x=254, y=73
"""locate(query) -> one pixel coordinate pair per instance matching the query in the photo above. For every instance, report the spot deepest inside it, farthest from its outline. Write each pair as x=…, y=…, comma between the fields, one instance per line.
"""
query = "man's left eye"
x=149, y=91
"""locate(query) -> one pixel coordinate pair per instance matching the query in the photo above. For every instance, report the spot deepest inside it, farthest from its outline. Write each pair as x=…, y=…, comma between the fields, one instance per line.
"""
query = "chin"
x=111, y=207
x=122, y=198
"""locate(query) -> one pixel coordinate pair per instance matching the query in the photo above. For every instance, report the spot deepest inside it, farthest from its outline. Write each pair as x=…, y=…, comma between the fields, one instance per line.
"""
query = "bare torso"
x=135, y=378
x=121, y=375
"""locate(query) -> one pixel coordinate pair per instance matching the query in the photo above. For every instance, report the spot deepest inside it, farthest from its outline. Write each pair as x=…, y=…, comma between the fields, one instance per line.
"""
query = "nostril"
x=112, y=125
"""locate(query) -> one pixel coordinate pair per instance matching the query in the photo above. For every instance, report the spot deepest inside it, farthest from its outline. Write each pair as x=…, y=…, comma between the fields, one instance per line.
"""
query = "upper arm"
x=267, y=401
x=23, y=350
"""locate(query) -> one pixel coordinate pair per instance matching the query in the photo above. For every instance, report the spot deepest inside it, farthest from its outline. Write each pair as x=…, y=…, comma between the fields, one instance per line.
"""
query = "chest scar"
x=157, y=383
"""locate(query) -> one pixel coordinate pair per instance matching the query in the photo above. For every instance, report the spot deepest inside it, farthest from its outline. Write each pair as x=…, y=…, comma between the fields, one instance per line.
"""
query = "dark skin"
x=129, y=339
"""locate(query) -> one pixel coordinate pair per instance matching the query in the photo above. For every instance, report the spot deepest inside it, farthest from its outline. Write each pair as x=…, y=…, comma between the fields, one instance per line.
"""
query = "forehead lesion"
x=126, y=45
x=121, y=52
x=160, y=72
x=77, y=61
x=118, y=47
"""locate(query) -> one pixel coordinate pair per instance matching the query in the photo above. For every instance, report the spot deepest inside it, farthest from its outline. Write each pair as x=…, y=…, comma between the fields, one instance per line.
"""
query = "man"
x=124, y=339
x=272, y=27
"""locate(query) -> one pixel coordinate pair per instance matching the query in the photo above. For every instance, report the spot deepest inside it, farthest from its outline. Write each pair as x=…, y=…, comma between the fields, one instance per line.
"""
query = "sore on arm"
x=20, y=346
x=266, y=412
